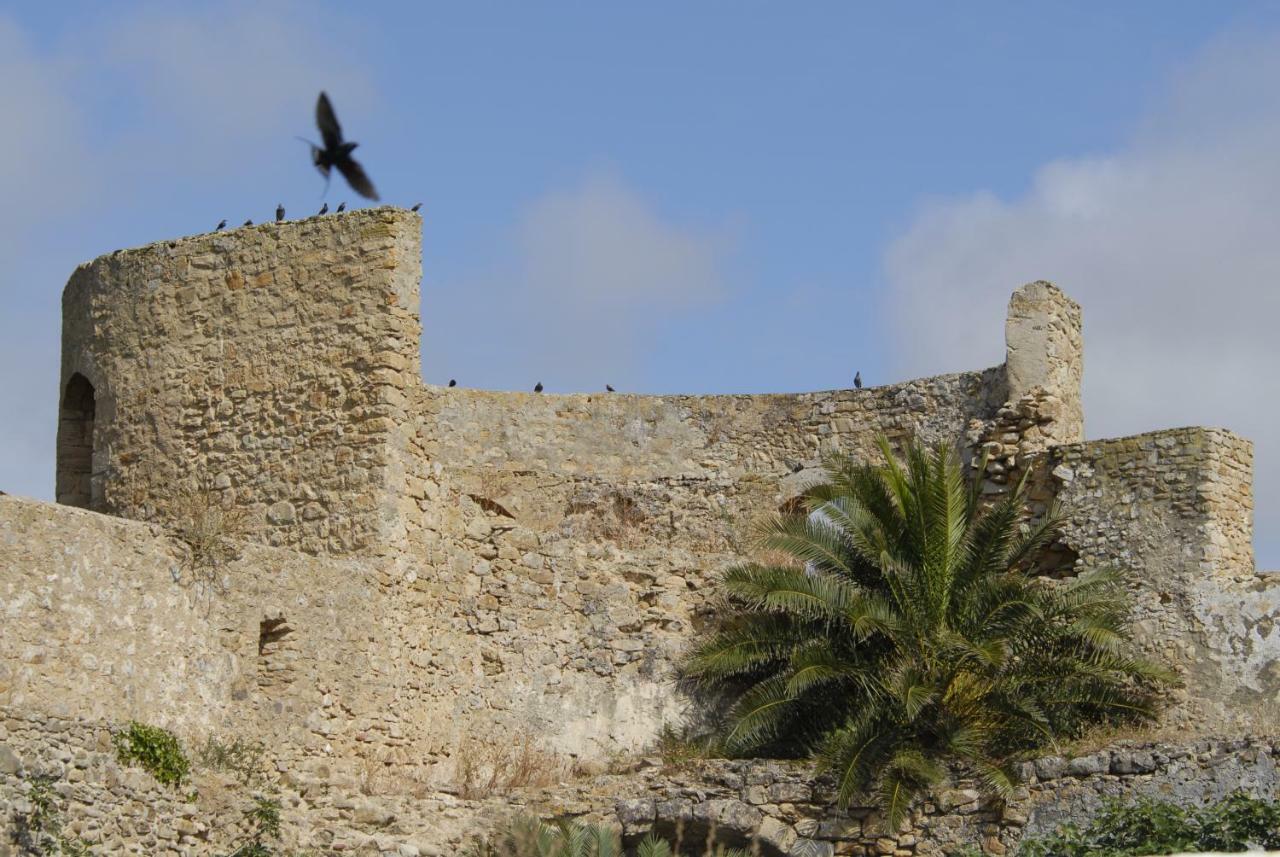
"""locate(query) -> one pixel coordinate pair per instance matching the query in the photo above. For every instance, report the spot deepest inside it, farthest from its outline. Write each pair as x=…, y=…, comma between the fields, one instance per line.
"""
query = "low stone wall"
x=122, y=810
x=783, y=807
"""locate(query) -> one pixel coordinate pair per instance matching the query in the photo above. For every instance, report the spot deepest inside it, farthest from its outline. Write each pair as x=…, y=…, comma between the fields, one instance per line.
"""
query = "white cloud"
x=1171, y=245
x=600, y=246
x=42, y=154
x=111, y=119
x=596, y=270
x=219, y=80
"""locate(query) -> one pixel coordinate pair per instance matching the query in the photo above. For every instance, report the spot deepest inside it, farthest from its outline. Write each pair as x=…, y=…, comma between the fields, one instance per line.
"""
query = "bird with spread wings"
x=337, y=153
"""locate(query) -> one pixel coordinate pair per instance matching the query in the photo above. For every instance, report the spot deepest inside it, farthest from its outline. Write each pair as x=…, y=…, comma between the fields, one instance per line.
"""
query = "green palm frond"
x=808, y=539
x=869, y=612
x=853, y=754
x=759, y=714
x=652, y=846
x=906, y=773
x=749, y=643
x=817, y=665
x=791, y=591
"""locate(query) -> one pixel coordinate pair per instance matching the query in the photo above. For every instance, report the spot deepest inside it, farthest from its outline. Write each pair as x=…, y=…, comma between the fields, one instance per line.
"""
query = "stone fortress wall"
x=424, y=564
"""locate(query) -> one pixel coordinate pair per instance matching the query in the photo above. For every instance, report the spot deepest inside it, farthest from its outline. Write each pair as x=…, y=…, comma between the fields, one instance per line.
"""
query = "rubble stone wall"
x=107, y=618
x=1173, y=510
x=791, y=812
x=782, y=807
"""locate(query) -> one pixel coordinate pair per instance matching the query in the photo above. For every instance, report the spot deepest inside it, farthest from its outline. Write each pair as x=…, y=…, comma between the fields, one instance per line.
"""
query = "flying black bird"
x=337, y=153
x=222, y=224
x=247, y=223
x=857, y=380
x=342, y=206
x=279, y=212
x=324, y=209
x=609, y=388
x=537, y=388
x=453, y=383
x=416, y=206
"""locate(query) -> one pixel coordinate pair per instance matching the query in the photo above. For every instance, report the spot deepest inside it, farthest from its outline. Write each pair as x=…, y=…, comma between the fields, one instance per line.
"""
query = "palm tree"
x=899, y=625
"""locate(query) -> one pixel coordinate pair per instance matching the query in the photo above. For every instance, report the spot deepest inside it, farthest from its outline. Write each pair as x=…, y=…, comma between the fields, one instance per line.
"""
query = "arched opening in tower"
x=74, y=484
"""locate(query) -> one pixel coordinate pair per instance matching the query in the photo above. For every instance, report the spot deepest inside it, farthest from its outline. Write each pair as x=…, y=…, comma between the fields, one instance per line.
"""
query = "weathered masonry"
x=424, y=566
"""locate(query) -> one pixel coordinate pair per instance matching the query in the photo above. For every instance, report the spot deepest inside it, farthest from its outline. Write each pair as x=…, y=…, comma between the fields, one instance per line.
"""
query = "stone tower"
x=266, y=364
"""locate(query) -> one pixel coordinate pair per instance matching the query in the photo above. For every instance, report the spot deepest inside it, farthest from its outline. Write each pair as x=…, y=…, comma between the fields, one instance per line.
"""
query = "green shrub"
x=39, y=831
x=264, y=828
x=1239, y=821
x=157, y=751
x=1236, y=823
x=897, y=624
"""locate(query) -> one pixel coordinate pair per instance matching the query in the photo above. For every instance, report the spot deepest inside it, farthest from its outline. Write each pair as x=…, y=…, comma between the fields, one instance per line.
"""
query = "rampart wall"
x=548, y=556
x=422, y=566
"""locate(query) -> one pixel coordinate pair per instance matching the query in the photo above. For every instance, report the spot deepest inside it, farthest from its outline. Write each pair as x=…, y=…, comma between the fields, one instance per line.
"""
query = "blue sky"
x=711, y=197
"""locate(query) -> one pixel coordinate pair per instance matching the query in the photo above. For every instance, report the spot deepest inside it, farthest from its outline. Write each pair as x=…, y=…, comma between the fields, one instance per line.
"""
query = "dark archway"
x=74, y=485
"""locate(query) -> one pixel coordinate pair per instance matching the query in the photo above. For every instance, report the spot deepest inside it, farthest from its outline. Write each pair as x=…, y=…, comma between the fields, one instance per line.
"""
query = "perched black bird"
x=453, y=383
x=247, y=223
x=416, y=206
x=537, y=388
x=857, y=380
x=337, y=153
x=609, y=388
x=324, y=209
x=342, y=206
x=222, y=224
x=279, y=212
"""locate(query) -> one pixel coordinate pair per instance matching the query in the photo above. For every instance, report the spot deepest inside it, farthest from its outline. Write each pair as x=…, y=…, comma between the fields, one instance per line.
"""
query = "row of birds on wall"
x=335, y=153
x=537, y=388
x=324, y=209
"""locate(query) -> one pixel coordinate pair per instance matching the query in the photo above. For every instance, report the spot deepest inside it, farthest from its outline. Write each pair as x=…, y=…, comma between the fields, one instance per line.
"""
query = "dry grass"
x=209, y=529
x=485, y=768
x=1104, y=736
x=245, y=760
x=377, y=776
x=623, y=522
x=492, y=484
x=680, y=751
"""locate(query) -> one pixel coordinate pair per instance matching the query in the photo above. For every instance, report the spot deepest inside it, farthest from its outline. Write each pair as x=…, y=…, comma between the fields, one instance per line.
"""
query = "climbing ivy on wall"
x=157, y=751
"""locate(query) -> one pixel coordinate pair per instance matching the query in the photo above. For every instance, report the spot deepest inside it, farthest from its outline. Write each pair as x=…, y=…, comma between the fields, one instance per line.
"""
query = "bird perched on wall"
x=537, y=388
x=247, y=222
x=342, y=206
x=416, y=206
x=452, y=382
x=279, y=212
x=324, y=209
x=609, y=388
x=857, y=380
x=336, y=152
x=222, y=224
